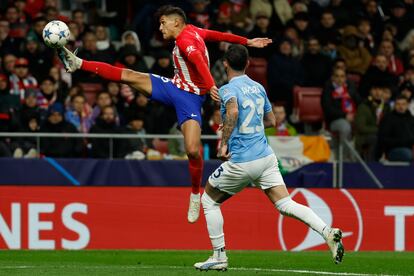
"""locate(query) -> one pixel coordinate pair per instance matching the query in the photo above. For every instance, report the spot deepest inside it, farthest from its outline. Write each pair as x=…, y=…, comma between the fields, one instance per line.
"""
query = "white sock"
x=220, y=253
x=195, y=197
x=289, y=207
x=214, y=220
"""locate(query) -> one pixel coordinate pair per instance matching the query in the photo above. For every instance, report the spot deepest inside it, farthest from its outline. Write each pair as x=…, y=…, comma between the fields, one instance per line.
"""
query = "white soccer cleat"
x=69, y=59
x=334, y=241
x=194, y=208
x=212, y=264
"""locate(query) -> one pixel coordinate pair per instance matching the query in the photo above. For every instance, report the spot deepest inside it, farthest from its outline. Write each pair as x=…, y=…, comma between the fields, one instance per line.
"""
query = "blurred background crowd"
x=359, y=53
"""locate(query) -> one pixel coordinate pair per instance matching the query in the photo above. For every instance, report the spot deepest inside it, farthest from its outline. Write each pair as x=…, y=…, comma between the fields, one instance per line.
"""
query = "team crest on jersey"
x=190, y=49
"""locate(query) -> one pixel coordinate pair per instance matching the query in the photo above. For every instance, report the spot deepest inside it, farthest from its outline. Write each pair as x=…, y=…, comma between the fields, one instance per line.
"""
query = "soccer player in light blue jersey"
x=246, y=111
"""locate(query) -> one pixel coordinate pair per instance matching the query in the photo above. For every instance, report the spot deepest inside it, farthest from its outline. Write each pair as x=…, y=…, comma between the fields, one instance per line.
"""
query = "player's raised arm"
x=229, y=123
x=210, y=35
x=195, y=56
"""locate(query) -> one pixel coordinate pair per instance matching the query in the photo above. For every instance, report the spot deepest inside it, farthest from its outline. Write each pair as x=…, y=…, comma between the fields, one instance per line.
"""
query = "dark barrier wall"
x=94, y=172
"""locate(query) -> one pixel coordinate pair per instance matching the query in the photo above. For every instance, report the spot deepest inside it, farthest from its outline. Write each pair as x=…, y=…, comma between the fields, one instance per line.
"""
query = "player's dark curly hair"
x=169, y=10
x=237, y=56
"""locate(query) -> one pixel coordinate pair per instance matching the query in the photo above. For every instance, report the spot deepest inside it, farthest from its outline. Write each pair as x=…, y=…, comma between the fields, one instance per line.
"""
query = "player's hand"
x=214, y=93
x=259, y=42
x=222, y=153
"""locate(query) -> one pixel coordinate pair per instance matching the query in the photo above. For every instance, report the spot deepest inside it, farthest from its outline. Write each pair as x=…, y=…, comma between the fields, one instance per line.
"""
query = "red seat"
x=90, y=90
x=257, y=70
x=307, y=104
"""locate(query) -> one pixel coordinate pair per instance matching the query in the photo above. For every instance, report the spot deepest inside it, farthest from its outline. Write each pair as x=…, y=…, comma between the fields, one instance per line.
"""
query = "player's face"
x=167, y=26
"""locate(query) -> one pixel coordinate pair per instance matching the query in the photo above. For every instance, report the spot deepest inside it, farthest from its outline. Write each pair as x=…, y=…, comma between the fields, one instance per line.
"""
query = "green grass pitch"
x=125, y=262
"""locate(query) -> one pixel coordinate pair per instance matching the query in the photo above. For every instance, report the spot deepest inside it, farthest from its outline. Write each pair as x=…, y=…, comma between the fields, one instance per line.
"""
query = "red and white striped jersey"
x=191, y=59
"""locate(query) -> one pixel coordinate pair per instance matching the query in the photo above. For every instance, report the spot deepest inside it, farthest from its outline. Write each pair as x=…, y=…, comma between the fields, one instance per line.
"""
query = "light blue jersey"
x=248, y=141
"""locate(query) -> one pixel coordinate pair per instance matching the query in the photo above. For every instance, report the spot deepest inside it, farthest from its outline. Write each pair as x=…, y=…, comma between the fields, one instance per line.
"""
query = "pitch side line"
x=255, y=269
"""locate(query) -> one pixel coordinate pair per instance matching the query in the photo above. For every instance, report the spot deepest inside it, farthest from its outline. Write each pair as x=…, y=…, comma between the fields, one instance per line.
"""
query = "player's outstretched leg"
x=288, y=207
x=215, y=221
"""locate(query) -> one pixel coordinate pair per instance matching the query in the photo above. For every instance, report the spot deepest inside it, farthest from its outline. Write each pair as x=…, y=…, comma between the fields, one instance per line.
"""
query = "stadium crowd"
x=359, y=52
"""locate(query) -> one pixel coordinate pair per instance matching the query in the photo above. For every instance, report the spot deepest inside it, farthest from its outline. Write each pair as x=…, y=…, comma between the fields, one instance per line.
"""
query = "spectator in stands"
x=21, y=79
x=330, y=49
x=199, y=14
x=9, y=61
x=103, y=99
x=6, y=99
x=30, y=118
x=357, y=58
x=367, y=119
x=8, y=123
x=52, y=13
x=283, y=127
x=317, y=67
x=18, y=25
x=59, y=147
x=395, y=65
x=74, y=34
x=48, y=94
x=36, y=31
x=396, y=132
x=31, y=106
x=327, y=29
x=377, y=72
x=163, y=65
x=284, y=72
x=261, y=28
x=407, y=90
x=364, y=32
x=106, y=124
x=300, y=22
x=39, y=60
x=120, y=102
x=371, y=12
x=78, y=16
x=400, y=19
x=130, y=58
x=339, y=102
x=130, y=38
x=89, y=51
x=79, y=113
x=298, y=46
x=74, y=90
x=103, y=41
x=135, y=147
x=239, y=13
x=8, y=44
x=61, y=86
x=340, y=13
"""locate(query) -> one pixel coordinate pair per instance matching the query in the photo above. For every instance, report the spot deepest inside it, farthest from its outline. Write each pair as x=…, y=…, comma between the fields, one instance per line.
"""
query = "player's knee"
x=193, y=152
x=208, y=203
x=284, y=204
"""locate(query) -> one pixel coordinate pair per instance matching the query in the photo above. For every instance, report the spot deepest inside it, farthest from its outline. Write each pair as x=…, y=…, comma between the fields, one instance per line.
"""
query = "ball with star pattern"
x=56, y=34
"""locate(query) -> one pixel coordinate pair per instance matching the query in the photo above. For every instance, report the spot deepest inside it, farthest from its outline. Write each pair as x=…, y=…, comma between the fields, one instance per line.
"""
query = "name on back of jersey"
x=252, y=89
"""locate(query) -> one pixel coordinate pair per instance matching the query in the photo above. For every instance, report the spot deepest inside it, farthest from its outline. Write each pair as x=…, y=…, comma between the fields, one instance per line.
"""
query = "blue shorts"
x=187, y=105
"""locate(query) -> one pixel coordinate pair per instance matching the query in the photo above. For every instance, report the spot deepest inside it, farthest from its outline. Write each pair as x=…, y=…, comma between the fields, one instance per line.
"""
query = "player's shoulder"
x=226, y=91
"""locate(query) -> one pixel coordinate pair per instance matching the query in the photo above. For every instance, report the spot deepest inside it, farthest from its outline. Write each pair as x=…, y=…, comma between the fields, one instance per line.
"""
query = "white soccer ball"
x=56, y=34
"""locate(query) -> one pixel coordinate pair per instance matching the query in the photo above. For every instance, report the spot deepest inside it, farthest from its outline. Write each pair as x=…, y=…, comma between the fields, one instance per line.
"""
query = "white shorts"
x=233, y=177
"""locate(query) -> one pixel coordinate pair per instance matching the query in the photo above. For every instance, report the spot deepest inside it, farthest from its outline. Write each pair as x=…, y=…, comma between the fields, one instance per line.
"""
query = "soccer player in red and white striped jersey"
x=186, y=91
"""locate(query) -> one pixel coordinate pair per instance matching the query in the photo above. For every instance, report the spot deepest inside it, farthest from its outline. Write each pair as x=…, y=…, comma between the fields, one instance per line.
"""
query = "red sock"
x=103, y=70
x=196, y=172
